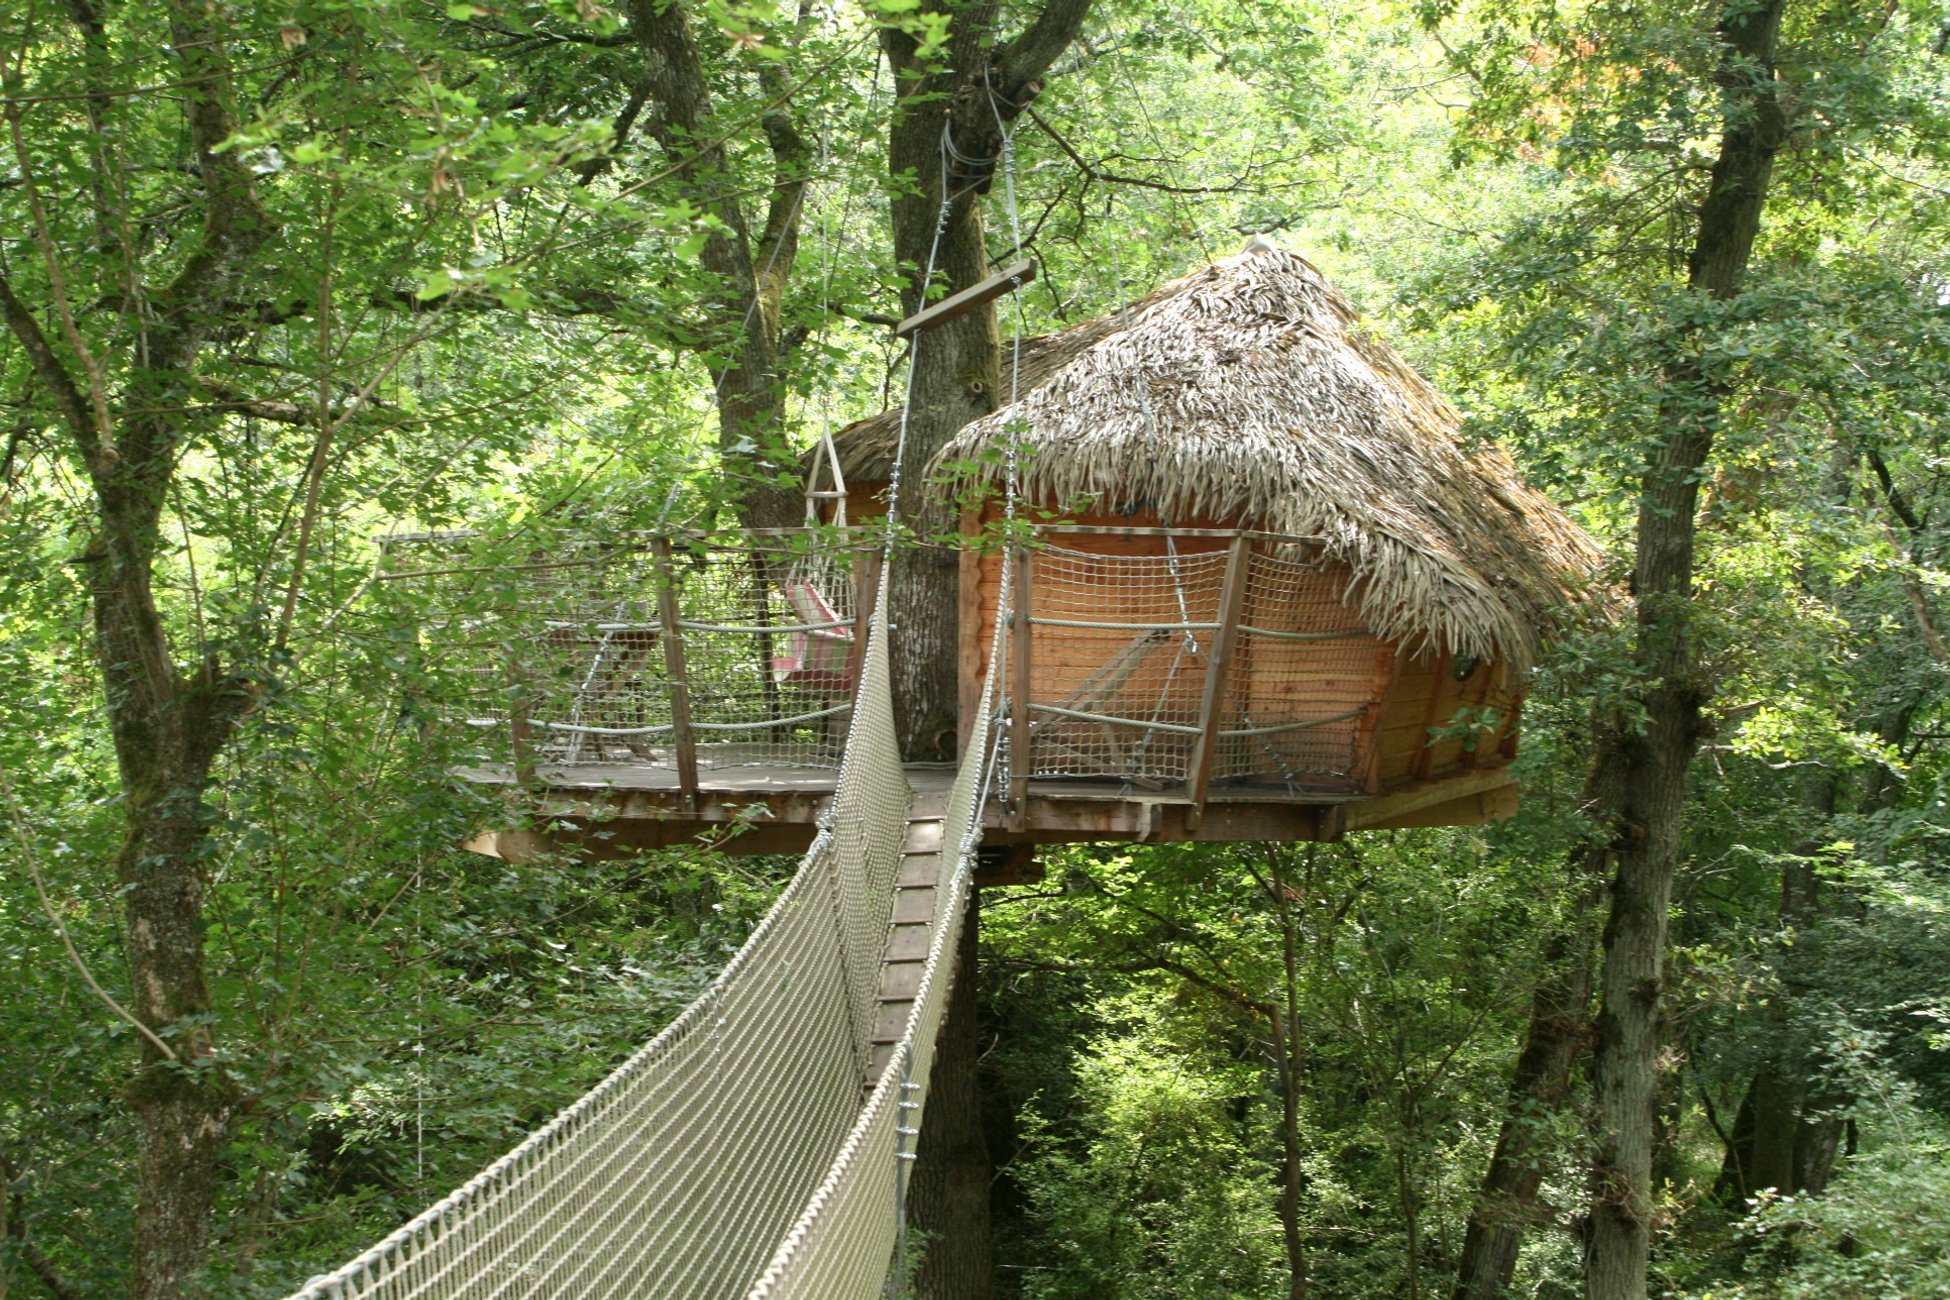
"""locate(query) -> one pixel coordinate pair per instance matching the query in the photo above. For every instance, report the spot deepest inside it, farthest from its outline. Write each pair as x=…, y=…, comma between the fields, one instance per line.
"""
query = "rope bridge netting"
x=732, y=1155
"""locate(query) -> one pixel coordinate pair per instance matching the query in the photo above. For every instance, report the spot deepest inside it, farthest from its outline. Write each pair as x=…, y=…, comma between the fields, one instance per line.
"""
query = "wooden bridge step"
x=901, y=980
x=914, y=905
x=919, y=869
x=908, y=943
x=905, y=957
x=890, y=1019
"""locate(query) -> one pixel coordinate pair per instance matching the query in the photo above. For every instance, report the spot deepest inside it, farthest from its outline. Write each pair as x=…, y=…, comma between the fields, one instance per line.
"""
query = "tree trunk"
x=954, y=383
x=970, y=90
x=1291, y=1046
x=949, y=1196
x=753, y=448
x=168, y=732
x=167, y=726
x=957, y=370
x=1641, y=770
x=1560, y=1005
x=983, y=85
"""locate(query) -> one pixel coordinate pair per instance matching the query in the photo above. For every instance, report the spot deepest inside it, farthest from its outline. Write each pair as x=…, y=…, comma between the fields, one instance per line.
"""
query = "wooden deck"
x=614, y=809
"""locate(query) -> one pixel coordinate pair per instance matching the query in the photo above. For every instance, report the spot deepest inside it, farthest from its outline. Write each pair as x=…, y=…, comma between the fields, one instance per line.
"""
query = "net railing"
x=840, y=1248
x=663, y=652
x=681, y=1173
x=1244, y=664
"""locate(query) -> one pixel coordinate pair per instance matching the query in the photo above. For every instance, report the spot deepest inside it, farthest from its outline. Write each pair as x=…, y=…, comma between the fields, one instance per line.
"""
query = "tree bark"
x=1560, y=1008
x=167, y=725
x=948, y=1199
x=970, y=90
x=752, y=443
x=1642, y=770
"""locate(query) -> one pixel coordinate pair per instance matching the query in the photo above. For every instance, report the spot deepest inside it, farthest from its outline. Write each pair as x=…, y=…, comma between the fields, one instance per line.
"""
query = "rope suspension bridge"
x=758, y=1146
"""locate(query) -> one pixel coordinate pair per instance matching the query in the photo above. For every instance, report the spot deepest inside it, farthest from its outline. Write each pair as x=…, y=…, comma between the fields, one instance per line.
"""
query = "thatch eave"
x=1249, y=391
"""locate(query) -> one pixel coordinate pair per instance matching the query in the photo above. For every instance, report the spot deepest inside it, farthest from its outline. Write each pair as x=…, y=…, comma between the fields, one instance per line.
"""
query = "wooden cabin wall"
x=863, y=501
x=1275, y=682
x=1271, y=682
x=1278, y=682
x=1427, y=696
x=1064, y=664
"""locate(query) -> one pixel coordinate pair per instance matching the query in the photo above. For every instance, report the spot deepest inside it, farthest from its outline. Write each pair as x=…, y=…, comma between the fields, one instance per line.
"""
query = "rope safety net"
x=729, y=1156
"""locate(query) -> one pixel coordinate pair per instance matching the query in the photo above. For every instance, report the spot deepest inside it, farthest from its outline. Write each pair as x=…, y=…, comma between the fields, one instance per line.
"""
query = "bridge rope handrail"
x=682, y=1172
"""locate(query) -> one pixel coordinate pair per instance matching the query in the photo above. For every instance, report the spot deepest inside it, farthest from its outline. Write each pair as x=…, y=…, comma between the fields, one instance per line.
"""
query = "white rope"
x=681, y=1173
x=736, y=1135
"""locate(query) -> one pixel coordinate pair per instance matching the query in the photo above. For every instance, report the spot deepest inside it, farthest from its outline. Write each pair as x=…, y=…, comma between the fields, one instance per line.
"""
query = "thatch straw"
x=1249, y=392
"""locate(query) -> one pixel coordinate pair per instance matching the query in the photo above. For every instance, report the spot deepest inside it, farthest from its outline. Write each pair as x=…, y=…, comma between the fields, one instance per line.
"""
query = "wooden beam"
x=1008, y=279
x=682, y=738
x=1367, y=734
x=1470, y=810
x=1392, y=808
x=1020, y=637
x=1478, y=741
x=1425, y=757
x=1218, y=662
x=866, y=594
x=968, y=624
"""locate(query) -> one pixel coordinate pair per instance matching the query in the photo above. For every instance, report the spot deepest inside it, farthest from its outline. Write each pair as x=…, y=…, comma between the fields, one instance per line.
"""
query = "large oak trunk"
x=1507, y=1203
x=970, y=90
x=1641, y=769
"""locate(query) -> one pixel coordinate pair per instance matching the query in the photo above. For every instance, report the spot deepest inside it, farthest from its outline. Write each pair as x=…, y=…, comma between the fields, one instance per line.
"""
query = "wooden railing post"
x=866, y=592
x=1020, y=676
x=683, y=740
x=1218, y=664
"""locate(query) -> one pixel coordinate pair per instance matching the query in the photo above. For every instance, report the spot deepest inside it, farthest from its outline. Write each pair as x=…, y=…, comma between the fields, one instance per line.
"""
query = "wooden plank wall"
x=1421, y=691
x=1428, y=695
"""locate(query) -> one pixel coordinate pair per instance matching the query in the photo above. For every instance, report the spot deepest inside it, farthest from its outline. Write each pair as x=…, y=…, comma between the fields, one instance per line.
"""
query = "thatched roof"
x=1249, y=391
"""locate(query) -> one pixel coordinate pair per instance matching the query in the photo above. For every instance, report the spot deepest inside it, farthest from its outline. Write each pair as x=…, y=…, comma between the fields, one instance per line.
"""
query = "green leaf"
x=436, y=283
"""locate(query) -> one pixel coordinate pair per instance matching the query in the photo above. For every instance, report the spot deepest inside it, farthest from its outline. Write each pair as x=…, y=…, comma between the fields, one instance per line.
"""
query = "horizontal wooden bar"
x=958, y=305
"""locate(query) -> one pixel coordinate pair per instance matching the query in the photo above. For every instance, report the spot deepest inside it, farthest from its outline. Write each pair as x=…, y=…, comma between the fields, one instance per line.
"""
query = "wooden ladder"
x=912, y=931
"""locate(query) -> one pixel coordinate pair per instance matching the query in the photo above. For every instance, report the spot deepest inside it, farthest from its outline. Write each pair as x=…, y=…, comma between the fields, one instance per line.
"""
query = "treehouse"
x=1262, y=591
x=1266, y=568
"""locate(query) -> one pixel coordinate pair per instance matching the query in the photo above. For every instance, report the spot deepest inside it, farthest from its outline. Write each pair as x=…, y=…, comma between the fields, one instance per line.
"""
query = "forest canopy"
x=282, y=280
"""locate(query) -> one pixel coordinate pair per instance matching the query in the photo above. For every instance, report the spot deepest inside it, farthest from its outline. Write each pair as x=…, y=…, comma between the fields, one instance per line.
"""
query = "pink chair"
x=820, y=656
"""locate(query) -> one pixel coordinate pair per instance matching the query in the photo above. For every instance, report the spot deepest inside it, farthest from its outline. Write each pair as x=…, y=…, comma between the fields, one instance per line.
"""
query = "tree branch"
x=48, y=368
x=619, y=134
x=16, y=817
x=1898, y=503
x=1113, y=178
x=13, y=1218
x=1022, y=62
x=97, y=392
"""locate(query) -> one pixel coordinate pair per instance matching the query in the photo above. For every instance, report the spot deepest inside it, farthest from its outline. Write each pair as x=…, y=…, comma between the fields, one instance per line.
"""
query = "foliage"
x=487, y=298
